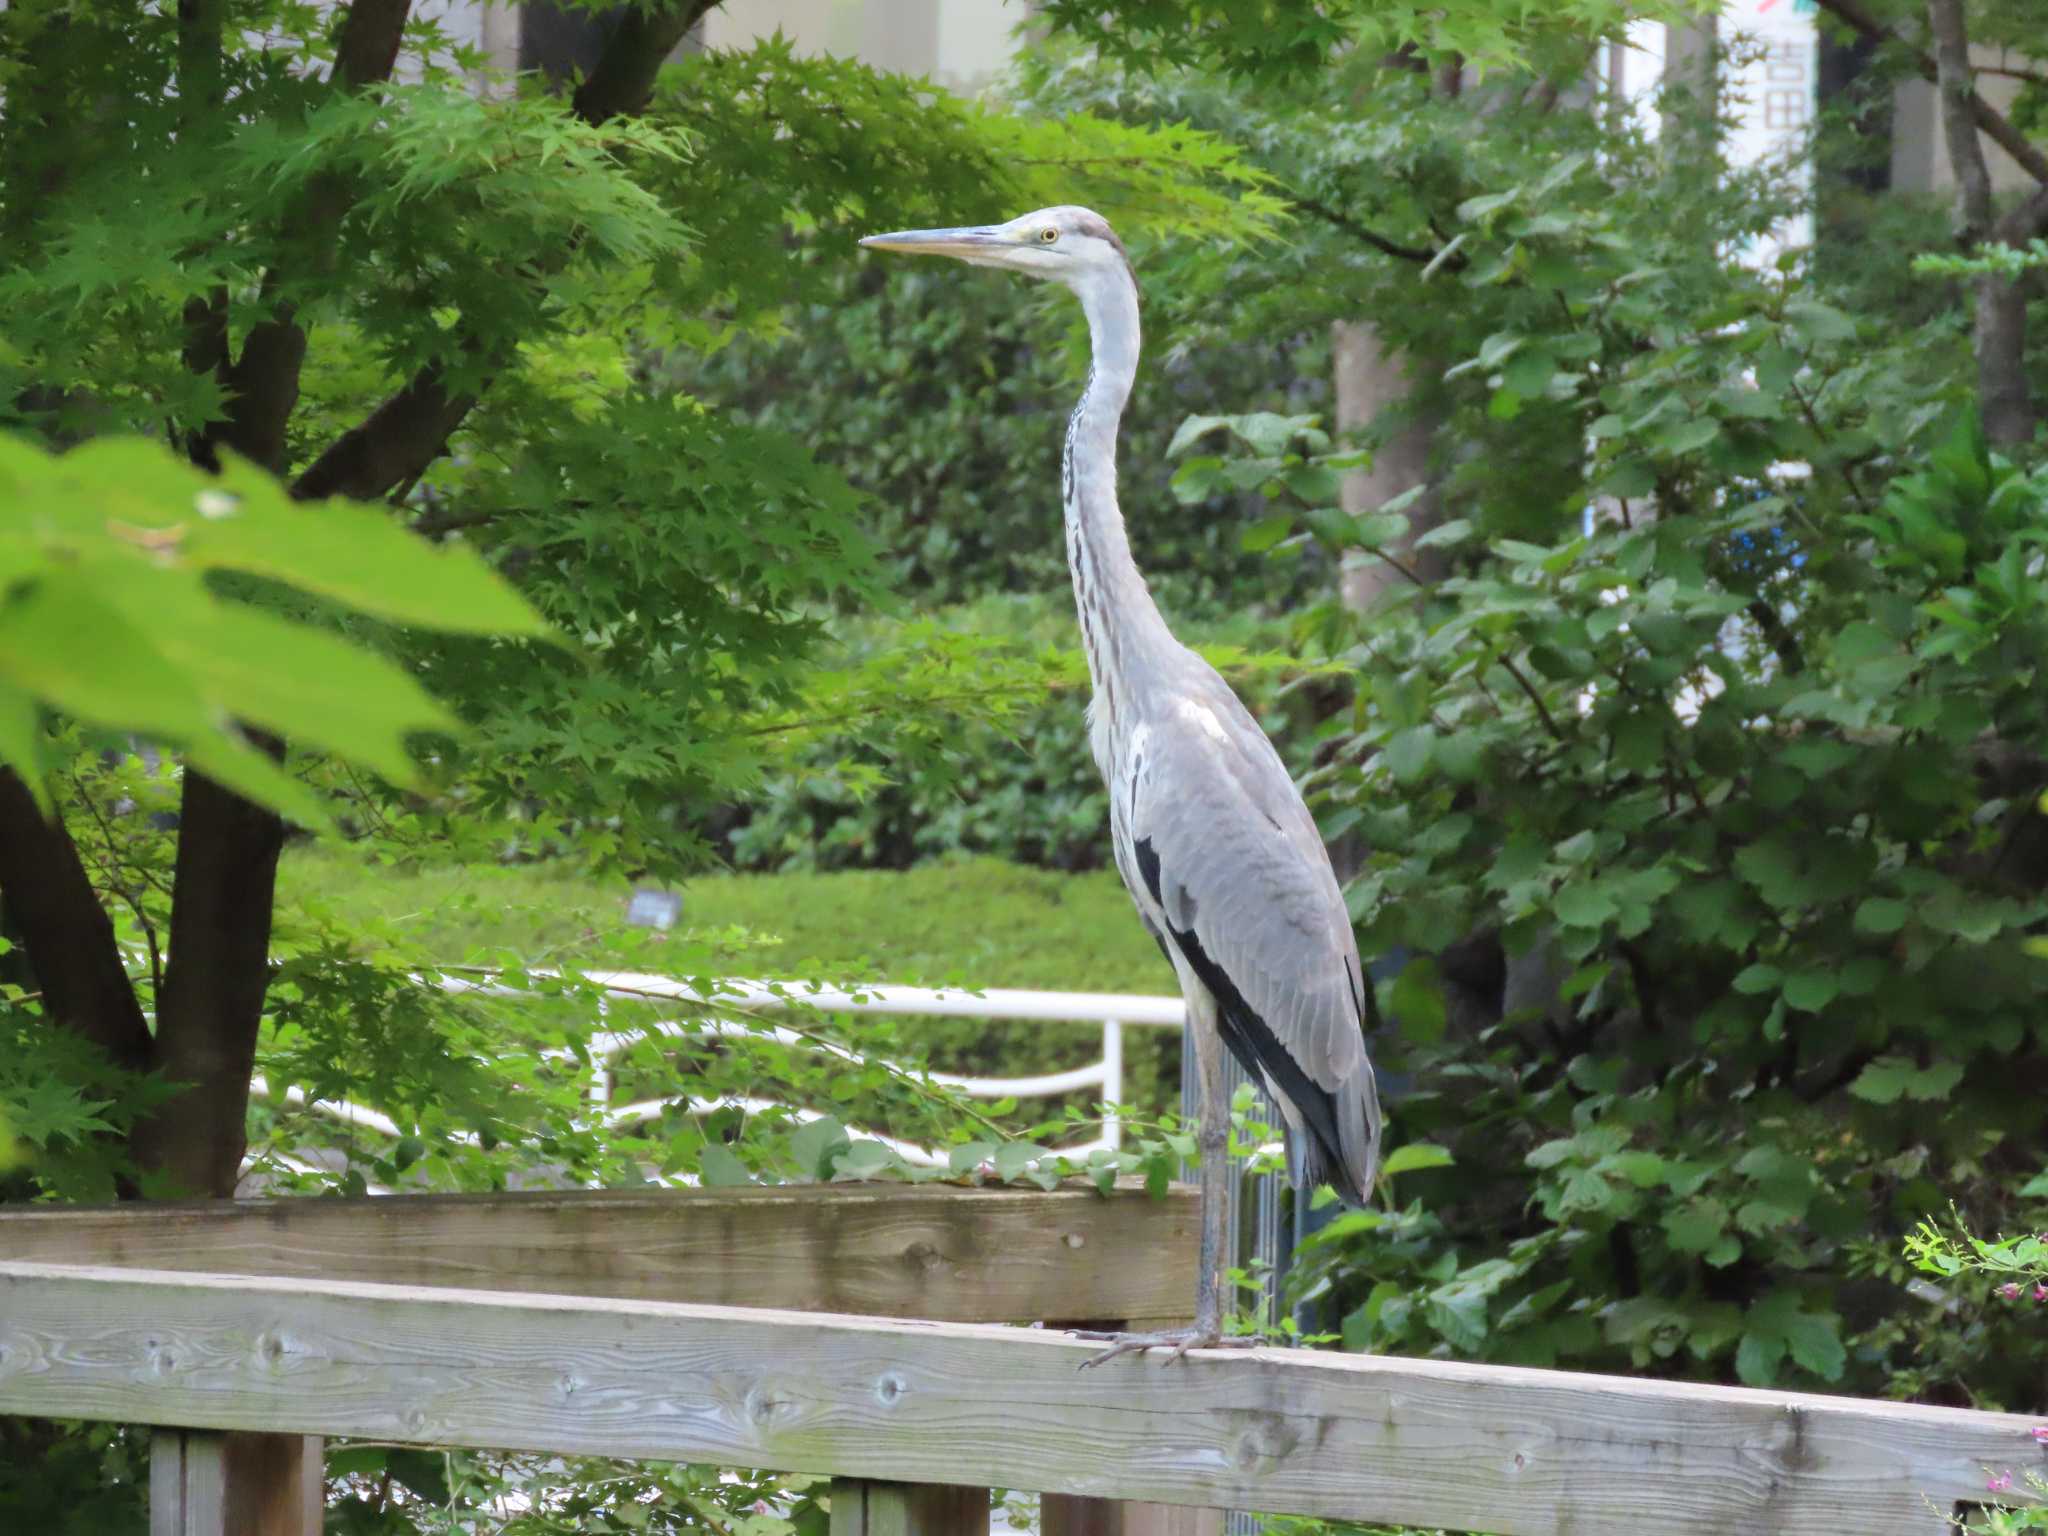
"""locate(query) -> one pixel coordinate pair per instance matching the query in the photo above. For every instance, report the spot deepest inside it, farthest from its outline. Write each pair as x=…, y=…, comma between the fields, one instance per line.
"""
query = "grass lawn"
x=974, y=922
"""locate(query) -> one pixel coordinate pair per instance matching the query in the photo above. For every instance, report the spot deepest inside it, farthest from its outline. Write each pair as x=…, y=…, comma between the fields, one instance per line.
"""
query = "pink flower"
x=2041, y=1293
x=2040, y=1433
x=2011, y=1290
x=1999, y=1484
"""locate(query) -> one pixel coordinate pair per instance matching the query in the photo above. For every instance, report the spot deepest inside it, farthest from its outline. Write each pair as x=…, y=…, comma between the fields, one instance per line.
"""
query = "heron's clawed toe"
x=1176, y=1341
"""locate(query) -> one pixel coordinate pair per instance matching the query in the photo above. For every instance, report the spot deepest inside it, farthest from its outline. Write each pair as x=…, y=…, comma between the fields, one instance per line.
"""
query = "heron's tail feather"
x=1351, y=1166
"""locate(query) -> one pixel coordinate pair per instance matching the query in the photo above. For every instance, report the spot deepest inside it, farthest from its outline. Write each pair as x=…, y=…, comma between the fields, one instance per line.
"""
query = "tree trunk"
x=1371, y=381
x=212, y=1001
x=1999, y=336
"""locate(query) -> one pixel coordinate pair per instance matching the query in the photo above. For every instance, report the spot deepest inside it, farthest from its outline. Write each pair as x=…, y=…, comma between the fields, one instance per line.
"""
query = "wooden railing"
x=634, y=1363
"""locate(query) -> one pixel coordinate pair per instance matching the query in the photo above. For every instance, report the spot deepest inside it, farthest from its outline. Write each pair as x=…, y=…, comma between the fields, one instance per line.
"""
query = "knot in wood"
x=1264, y=1440
x=922, y=1256
x=765, y=1409
x=889, y=1388
x=1789, y=1441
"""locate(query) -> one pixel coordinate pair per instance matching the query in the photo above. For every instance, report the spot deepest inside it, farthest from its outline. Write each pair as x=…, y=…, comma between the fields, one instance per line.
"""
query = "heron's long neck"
x=1119, y=621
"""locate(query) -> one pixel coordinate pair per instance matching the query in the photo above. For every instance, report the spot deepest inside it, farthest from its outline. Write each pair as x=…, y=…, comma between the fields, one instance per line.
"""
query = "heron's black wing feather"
x=1229, y=864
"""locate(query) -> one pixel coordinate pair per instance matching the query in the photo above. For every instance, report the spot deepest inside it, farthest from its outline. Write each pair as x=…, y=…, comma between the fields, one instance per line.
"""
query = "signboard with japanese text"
x=1772, y=68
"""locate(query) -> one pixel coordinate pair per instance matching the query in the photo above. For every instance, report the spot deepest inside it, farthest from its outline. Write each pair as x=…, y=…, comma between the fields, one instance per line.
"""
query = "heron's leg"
x=1212, y=1147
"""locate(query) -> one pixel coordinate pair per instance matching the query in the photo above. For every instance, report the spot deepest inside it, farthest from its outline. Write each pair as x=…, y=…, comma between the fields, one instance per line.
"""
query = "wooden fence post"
x=864, y=1508
x=236, y=1484
x=188, y=1487
x=1073, y=1514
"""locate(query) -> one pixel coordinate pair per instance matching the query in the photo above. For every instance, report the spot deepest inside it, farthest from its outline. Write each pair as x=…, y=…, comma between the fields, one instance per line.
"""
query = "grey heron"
x=1211, y=836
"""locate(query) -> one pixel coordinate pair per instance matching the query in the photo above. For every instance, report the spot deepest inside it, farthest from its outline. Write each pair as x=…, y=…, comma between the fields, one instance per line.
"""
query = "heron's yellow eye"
x=1048, y=234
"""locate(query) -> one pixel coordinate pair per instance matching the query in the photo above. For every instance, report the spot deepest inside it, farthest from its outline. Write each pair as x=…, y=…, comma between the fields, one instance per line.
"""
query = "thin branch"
x=433, y=524
x=2024, y=220
x=1535, y=698
x=110, y=867
x=1421, y=255
x=1820, y=435
x=2033, y=77
x=1414, y=577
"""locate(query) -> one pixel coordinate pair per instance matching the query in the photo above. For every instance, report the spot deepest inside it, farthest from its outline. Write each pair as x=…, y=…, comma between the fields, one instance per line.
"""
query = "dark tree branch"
x=633, y=55
x=366, y=48
x=201, y=89
x=1781, y=640
x=394, y=445
x=1995, y=127
x=201, y=76
x=1419, y=254
x=263, y=382
x=67, y=933
x=206, y=352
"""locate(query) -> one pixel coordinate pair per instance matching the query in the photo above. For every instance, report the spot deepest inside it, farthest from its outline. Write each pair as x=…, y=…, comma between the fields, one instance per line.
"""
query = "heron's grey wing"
x=1235, y=867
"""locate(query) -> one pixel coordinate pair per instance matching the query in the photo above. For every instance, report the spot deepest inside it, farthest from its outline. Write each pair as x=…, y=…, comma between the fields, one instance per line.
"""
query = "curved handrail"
x=1110, y=1010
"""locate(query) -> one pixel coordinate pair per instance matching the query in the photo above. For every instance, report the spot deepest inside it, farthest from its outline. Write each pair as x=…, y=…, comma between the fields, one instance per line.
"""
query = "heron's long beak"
x=964, y=243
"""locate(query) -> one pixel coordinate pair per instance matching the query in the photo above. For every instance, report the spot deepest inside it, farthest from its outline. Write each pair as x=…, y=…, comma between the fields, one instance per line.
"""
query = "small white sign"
x=653, y=909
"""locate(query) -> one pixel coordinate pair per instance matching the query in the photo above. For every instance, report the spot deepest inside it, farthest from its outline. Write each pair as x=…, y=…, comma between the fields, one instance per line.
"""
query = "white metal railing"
x=1111, y=1011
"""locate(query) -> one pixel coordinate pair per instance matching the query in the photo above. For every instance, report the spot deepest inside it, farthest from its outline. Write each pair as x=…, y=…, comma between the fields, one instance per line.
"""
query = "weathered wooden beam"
x=1416, y=1442
x=863, y=1508
x=941, y=1252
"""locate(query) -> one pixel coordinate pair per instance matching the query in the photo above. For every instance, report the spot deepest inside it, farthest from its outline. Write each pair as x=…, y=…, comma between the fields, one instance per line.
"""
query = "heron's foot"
x=1177, y=1341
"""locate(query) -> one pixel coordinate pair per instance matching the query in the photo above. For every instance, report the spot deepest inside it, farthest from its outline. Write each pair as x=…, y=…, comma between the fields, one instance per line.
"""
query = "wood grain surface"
x=940, y=1252
x=1463, y=1447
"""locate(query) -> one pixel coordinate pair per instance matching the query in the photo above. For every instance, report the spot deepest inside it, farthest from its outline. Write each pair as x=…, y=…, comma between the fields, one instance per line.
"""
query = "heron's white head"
x=1075, y=246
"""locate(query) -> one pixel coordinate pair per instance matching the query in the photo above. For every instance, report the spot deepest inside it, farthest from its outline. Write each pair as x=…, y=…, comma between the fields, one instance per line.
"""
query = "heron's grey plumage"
x=1211, y=836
